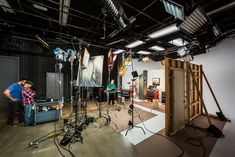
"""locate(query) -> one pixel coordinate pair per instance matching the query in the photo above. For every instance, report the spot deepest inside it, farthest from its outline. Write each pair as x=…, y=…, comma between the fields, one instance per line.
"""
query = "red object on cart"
x=152, y=93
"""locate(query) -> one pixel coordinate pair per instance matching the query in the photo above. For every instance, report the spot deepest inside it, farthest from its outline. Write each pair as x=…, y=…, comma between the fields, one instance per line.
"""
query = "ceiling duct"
x=64, y=12
x=196, y=20
x=6, y=6
x=117, y=12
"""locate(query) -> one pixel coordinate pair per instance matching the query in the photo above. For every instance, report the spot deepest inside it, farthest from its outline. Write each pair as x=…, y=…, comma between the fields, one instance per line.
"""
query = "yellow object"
x=56, y=106
x=122, y=68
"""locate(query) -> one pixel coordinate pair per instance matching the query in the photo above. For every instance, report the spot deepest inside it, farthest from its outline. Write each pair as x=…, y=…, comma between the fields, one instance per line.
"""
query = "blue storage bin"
x=46, y=116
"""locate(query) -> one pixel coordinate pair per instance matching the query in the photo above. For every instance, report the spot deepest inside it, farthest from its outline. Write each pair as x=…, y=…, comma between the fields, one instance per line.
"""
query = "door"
x=9, y=72
x=54, y=85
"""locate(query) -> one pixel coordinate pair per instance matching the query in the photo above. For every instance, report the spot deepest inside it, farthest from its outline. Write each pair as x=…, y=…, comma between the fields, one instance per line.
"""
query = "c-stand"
x=134, y=74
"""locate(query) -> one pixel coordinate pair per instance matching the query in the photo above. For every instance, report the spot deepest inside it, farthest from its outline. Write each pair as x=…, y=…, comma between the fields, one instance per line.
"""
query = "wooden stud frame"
x=193, y=103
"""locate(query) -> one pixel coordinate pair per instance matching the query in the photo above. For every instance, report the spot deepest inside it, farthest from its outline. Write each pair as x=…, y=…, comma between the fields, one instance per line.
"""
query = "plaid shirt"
x=27, y=96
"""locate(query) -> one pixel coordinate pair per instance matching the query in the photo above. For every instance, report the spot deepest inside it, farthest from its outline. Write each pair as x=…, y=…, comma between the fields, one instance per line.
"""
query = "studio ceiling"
x=86, y=21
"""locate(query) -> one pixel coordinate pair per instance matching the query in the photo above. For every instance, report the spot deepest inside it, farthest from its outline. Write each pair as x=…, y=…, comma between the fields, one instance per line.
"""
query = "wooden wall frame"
x=193, y=103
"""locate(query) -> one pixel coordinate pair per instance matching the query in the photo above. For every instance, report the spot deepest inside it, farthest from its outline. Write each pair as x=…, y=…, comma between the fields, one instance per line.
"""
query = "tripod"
x=132, y=113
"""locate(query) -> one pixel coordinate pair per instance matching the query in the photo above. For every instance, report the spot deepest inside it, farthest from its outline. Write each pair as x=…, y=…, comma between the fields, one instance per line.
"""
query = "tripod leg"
x=140, y=128
x=127, y=131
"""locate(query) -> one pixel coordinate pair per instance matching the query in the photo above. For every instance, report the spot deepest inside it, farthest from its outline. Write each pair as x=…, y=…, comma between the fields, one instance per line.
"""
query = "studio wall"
x=218, y=65
x=35, y=61
x=159, y=73
x=155, y=69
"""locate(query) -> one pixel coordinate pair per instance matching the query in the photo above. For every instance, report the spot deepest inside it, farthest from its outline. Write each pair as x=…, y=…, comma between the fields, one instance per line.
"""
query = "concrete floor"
x=98, y=142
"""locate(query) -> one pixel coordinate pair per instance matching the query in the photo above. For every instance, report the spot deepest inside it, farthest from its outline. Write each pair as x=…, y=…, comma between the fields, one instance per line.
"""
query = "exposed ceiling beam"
x=80, y=12
x=142, y=12
x=67, y=36
x=90, y=19
x=225, y=7
x=56, y=21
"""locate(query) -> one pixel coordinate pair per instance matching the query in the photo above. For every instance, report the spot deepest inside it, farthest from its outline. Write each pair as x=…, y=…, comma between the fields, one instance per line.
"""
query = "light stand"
x=60, y=65
x=132, y=113
x=77, y=105
x=60, y=57
x=132, y=106
x=71, y=86
x=108, y=118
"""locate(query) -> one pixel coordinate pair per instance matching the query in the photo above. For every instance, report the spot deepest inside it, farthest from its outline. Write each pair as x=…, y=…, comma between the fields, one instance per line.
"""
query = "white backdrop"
x=219, y=66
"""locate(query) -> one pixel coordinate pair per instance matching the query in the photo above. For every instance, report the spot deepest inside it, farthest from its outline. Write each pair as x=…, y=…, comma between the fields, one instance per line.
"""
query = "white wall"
x=139, y=67
x=219, y=66
x=160, y=73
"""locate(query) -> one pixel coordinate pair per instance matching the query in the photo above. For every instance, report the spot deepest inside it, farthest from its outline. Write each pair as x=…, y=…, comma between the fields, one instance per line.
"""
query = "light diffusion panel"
x=92, y=74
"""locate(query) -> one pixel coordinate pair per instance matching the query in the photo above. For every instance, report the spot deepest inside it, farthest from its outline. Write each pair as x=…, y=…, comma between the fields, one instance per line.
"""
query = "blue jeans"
x=28, y=118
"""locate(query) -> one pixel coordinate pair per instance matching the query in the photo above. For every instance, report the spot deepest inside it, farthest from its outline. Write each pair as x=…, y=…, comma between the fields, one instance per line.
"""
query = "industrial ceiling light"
x=117, y=12
x=174, y=9
x=157, y=48
x=164, y=31
x=40, y=7
x=143, y=52
x=6, y=6
x=178, y=42
x=194, y=21
x=118, y=51
x=64, y=12
x=134, y=44
x=216, y=30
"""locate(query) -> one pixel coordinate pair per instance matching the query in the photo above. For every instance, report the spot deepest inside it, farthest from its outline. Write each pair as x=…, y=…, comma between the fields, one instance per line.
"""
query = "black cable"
x=58, y=147
x=198, y=141
x=182, y=153
x=68, y=150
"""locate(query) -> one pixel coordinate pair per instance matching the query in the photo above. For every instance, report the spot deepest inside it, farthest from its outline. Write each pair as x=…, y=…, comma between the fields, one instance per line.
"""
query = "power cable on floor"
x=68, y=150
x=54, y=140
x=58, y=146
x=198, y=141
x=182, y=153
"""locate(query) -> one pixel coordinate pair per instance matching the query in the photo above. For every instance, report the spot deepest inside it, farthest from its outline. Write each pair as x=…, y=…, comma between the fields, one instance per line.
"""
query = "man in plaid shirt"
x=27, y=101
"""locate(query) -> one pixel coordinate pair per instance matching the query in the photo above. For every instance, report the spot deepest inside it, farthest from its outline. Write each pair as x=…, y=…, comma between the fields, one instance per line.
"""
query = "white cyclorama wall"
x=155, y=69
x=219, y=66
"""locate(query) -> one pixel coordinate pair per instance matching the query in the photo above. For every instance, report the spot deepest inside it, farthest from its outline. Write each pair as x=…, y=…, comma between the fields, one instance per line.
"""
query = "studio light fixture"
x=194, y=21
x=64, y=12
x=118, y=51
x=61, y=55
x=182, y=51
x=157, y=48
x=40, y=7
x=146, y=59
x=135, y=44
x=117, y=12
x=6, y=6
x=164, y=31
x=178, y=42
x=216, y=30
x=174, y=9
x=143, y=52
